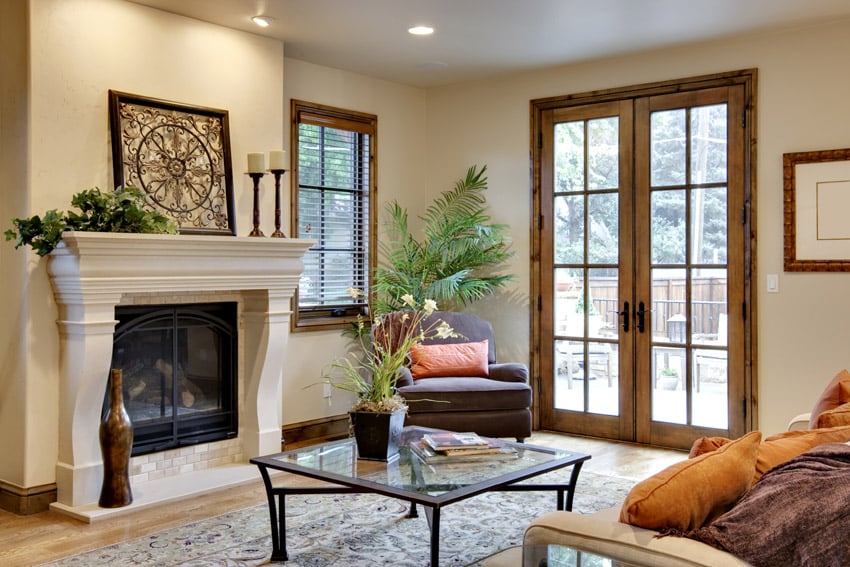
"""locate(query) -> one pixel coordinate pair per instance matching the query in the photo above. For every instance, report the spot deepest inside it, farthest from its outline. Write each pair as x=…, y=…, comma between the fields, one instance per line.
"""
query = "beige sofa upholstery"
x=602, y=533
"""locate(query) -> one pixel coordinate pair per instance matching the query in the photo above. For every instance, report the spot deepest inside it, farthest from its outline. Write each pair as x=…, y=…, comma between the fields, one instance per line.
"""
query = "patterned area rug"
x=355, y=530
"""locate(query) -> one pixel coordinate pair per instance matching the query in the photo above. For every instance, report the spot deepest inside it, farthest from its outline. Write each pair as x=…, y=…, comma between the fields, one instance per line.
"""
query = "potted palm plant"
x=456, y=259
x=377, y=416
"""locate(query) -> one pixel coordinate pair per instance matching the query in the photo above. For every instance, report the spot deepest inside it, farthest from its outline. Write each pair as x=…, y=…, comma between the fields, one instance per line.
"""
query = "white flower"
x=429, y=306
x=354, y=292
x=443, y=331
x=408, y=299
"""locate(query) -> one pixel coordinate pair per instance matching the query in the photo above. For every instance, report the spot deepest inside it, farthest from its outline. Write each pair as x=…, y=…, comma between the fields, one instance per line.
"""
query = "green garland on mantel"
x=122, y=210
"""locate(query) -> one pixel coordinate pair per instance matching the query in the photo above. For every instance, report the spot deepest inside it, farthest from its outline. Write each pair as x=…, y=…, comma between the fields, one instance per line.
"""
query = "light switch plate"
x=772, y=283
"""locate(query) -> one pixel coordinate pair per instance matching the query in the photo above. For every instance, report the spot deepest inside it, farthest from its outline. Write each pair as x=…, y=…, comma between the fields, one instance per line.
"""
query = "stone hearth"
x=92, y=272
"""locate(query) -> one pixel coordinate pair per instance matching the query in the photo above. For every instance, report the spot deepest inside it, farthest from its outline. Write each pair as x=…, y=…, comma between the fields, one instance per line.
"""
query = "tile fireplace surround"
x=93, y=272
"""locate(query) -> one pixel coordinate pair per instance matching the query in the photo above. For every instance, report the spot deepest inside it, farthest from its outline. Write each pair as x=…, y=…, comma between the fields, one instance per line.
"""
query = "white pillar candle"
x=256, y=162
x=277, y=160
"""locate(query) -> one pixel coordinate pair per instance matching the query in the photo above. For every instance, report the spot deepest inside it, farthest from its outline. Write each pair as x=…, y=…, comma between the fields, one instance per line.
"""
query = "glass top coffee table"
x=409, y=478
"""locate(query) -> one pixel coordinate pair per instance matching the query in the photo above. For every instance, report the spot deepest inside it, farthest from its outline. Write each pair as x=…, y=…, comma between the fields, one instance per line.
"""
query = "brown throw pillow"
x=689, y=494
x=831, y=397
x=458, y=359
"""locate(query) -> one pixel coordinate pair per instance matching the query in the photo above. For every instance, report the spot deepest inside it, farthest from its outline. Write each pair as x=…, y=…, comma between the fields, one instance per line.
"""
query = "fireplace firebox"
x=179, y=367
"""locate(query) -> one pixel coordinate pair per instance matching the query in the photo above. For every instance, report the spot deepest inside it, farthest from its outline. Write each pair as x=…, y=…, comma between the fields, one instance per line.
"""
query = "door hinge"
x=744, y=118
x=744, y=215
x=539, y=386
x=539, y=140
x=744, y=407
x=540, y=303
x=744, y=310
x=539, y=222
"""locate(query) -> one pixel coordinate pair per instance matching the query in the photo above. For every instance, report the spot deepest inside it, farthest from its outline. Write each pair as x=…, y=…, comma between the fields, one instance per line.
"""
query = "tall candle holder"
x=278, y=173
x=256, y=176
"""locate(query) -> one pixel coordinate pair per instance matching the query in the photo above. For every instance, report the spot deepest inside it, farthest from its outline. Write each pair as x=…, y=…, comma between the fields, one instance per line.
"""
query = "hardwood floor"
x=30, y=540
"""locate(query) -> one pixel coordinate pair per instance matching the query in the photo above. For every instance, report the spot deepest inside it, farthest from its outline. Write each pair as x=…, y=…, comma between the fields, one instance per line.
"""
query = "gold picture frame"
x=179, y=156
x=816, y=211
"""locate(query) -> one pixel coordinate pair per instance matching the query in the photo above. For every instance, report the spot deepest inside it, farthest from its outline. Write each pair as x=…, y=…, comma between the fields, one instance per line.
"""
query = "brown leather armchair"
x=498, y=405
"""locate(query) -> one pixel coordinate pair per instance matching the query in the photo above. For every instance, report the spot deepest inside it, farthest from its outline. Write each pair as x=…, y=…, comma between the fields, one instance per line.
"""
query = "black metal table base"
x=277, y=507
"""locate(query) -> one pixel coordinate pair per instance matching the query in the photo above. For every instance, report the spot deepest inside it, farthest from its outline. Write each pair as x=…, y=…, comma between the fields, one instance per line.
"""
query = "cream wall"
x=79, y=50
x=804, y=78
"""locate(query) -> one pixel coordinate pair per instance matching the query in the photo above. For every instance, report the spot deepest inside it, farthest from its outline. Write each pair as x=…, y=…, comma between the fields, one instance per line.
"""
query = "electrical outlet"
x=326, y=390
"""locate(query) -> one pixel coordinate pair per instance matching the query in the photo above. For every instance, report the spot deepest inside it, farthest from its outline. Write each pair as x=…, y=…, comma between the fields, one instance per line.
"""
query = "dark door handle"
x=640, y=316
x=625, y=315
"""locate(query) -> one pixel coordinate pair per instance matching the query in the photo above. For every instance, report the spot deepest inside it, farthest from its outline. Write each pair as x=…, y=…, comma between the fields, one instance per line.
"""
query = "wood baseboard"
x=26, y=501
x=314, y=431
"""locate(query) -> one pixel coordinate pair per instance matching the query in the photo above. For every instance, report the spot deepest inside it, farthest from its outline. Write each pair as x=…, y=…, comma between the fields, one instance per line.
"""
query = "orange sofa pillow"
x=835, y=417
x=457, y=359
x=777, y=449
x=836, y=393
x=782, y=447
x=693, y=492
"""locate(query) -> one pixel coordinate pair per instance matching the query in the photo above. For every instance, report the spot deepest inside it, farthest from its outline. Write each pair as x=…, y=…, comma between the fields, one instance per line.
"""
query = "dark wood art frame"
x=791, y=194
x=179, y=156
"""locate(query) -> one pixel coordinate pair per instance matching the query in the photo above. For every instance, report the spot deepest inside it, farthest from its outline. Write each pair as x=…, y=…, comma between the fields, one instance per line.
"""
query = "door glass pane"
x=667, y=148
x=569, y=375
x=710, y=388
x=603, y=393
x=602, y=236
x=569, y=312
x=569, y=156
x=603, y=153
x=708, y=144
x=709, y=307
x=569, y=229
x=668, y=227
x=669, y=395
x=708, y=230
x=603, y=301
x=669, y=306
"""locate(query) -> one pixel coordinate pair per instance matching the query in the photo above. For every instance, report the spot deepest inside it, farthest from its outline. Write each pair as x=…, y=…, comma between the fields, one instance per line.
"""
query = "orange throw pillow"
x=782, y=447
x=458, y=359
x=835, y=417
x=691, y=493
x=832, y=396
x=706, y=445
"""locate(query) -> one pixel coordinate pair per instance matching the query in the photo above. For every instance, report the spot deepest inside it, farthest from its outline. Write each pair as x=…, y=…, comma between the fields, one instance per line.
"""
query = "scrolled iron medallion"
x=179, y=155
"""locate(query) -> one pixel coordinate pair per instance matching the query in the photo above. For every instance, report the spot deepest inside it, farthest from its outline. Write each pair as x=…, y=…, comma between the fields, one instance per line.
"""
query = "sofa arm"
x=405, y=378
x=800, y=421
x=509, y=372
x=602, y=533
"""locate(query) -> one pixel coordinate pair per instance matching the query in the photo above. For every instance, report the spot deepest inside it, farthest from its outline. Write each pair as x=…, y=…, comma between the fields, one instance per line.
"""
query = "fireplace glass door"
x=179, y=367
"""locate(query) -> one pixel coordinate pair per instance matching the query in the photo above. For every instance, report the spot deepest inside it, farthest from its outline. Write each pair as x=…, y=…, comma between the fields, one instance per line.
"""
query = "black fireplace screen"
x=179, y=367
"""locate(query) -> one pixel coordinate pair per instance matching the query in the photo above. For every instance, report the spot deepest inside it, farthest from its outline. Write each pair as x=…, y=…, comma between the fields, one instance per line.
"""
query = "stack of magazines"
x=457, y=447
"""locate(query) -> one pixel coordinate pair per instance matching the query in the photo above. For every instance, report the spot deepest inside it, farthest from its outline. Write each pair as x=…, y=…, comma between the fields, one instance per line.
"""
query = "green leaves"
x=122, y=210
x=453, y=262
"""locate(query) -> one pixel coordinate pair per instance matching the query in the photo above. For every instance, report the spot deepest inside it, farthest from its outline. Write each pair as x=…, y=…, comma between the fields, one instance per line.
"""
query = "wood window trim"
x=361, y=122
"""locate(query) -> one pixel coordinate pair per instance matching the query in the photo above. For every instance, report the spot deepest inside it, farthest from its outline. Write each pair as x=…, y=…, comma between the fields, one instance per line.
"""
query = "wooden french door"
x=642, y=270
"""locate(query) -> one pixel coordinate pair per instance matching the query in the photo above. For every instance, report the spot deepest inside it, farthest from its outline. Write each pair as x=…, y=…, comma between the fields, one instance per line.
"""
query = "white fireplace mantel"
x=91, y=272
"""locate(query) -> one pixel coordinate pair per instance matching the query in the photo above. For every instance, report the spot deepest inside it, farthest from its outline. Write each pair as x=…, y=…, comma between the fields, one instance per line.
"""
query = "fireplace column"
x=86, y=327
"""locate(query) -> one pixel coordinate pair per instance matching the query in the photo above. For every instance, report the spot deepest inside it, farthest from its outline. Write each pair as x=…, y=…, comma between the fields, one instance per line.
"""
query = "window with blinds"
x=333, y=191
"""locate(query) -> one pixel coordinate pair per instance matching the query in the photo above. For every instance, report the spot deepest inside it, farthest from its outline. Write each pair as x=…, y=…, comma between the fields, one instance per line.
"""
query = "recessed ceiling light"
x=262, y=21
x=420, y=30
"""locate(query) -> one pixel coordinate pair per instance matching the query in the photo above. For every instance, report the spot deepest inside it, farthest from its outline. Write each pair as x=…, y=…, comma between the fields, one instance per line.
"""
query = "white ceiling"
x=479, y=38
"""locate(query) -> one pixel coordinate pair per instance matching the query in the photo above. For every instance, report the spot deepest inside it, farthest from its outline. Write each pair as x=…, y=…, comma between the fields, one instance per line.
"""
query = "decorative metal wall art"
x=179, y=155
